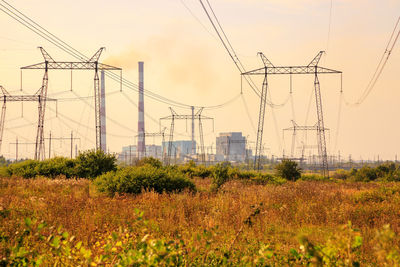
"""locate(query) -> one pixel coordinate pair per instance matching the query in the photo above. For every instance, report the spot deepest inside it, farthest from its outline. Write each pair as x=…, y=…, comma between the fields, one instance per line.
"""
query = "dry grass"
x=314, y=209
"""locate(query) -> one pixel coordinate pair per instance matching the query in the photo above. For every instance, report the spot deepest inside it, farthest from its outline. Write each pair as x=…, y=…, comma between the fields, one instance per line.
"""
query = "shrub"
x=91, y=164
x=25, y=169
x=266, y=178
x=134, y=180
x=365, y=174
x=220, y=175
x=288, y=169
x=56, y=166
x=341, y=174
x=312, y=177
x=191, y=170
x=202, y=172
x=150, y=161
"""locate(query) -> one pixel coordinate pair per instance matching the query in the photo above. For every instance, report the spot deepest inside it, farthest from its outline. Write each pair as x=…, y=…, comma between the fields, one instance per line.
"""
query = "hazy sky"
x=184, y=61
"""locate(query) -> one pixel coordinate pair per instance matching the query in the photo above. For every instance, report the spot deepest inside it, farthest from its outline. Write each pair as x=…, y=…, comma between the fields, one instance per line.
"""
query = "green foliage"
x=150, y=161
x=266, y=178
x=4, y=162
x=341, y=174
x=220, y=175
x=387, y=250
x=342, y=249
x=87, y=165
x=91, y=164
x=366, y=174
x=191, y=170
x=55, y=167
x=288, y=169
x=386, y=172
x=312, y=177
x=134, y=180
x=25, y=169
x=40, y=245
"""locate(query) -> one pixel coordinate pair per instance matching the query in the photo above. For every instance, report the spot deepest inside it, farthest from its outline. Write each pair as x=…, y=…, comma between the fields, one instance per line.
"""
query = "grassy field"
x=241, y=224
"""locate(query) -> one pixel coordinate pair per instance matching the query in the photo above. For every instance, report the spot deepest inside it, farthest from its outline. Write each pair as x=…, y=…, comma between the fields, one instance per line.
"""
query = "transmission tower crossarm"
x=292, y=70
x=4, y=91
x=51, y=64
x=265, y=60
x=46, y=56
x=24, y=98
x=70, y=65
x=96, y=56
x=316, y=60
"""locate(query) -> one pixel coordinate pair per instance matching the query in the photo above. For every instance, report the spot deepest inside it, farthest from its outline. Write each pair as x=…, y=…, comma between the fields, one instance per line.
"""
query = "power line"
x=42, y=32
x=231, y=51
x=381, y=65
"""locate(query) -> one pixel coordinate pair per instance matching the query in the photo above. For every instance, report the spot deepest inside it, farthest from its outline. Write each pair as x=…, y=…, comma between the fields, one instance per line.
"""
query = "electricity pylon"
x=50, y=64
x=296, y=128
x=7, y=97
x=312, y=68
x=156, y=134
x=194, y=116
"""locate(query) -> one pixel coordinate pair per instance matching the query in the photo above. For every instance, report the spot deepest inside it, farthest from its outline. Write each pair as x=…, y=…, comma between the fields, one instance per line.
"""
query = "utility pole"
x=17, y=144
x=71, y=139
x=50, y=64
x=50, y=145
x=72, y=142
x=130, y=155
x=312, y=68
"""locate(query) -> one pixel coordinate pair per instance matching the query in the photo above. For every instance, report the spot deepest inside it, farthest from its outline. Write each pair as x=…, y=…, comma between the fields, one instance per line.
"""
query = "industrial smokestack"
x=103, y=143
x=141, y=146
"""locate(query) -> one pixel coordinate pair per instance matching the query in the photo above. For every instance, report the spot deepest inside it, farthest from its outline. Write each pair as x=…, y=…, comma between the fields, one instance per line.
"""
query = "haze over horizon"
x=185, y=61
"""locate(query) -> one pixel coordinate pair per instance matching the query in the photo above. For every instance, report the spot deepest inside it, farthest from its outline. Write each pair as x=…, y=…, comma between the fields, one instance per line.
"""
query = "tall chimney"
x=141, y=146
x=103, y=144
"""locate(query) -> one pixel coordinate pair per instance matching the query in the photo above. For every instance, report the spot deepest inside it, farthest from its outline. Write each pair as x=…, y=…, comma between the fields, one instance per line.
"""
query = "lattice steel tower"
x=50, y=64
x=312, y=68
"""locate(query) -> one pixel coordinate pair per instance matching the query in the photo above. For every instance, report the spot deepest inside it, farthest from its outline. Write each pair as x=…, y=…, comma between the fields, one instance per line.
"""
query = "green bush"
x=288, y=169
x=150, y=161
x=134, y=180
x=88, y=164
x=266, y=178
x=341, y=174
x=220, y=175
x=312, y=177
x=247, y=175
x=55, y=167
x=91, y=164
x=191, y=170
x=25, y=169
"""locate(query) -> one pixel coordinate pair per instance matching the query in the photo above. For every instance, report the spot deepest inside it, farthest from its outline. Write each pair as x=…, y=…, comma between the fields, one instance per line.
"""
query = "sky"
x=185, y=61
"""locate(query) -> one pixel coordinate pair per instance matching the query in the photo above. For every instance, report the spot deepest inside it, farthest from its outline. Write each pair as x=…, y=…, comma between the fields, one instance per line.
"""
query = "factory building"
x=130, y=153
x=231, y=147
x=180, y=149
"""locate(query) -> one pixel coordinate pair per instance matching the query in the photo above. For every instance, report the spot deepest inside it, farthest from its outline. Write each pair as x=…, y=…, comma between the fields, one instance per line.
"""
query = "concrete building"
x=231, y=147
x=129, y=153
x=180, y=149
